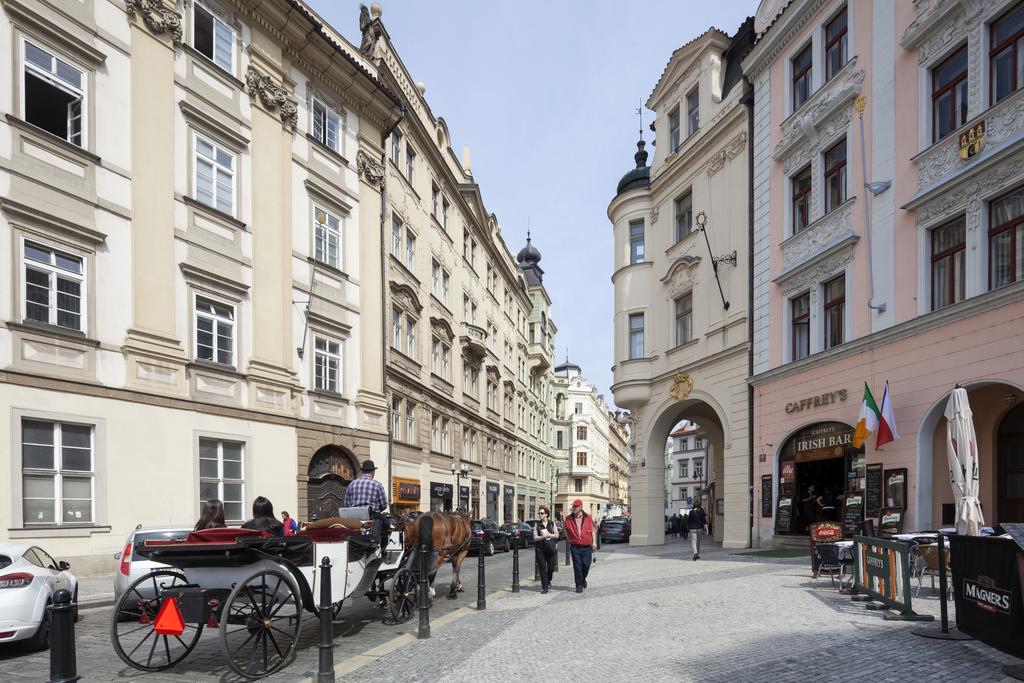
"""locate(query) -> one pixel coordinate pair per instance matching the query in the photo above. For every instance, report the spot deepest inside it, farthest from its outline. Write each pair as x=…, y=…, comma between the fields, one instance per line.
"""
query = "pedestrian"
x=366, y=491
x=263, y=518
x=579, y=533
x=698, y=523
x=291, y=527
x=212, y=515
x=545, y=536
x=827, y=502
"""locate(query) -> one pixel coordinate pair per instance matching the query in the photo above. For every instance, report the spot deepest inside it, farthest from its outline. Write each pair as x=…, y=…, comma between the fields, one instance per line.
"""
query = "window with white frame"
x=410, y=163
x=698, y=468
x=396, y=147
x=410, y=422
x=327, y=237
x=446, y=285
x=410, y=336
x=396, y=418
x=636, y=335
x=636, y=241
x=435, y=432
x=684, y=469
x=1006, y=53
x=684, y=319
x=435, y=278
x=327, y=126
x=396, y=328
x=947, y=247
x=801, y=76
x=213, y=38
x=674, y=137
x=800, y=191
x=396, y=237
x=835, y=45
x=58, y=473
x=684, y=215
x=800, y=326
x=1006, y=239
x=835, y=311
x=446, y=425
x=327, y=364
x=835, y=175
x=53, y=94
x=693, y=111
x=222, y=476
x=54, y=287
x=214, y=175
x=410, y=250
x=214, y=331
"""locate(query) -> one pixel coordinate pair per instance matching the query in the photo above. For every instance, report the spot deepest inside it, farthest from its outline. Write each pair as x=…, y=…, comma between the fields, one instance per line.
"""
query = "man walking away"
x=579, y=533
x=698, y=522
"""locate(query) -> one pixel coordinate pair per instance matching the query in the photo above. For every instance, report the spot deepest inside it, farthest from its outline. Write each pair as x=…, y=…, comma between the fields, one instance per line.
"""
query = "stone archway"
x=331, y=469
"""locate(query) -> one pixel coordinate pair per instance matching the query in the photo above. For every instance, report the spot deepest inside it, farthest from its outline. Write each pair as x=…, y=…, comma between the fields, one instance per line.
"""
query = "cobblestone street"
x=649, y=614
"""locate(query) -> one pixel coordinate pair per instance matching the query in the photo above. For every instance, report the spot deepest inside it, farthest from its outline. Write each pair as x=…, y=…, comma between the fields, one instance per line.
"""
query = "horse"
x=451, y=536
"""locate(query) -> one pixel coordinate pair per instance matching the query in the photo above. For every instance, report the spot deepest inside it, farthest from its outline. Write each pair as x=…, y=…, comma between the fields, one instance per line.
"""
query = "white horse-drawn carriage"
x=255, y=588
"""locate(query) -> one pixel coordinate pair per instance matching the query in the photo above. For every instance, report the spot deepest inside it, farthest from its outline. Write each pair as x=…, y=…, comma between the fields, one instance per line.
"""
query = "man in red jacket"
x=579, y=533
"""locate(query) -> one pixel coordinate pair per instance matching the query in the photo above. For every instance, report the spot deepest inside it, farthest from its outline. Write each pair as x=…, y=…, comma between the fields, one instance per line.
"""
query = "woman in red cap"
x=579, y=532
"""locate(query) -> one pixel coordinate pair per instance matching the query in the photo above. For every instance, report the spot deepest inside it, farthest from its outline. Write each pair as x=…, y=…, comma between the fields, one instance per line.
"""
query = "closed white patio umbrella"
x=962, y=452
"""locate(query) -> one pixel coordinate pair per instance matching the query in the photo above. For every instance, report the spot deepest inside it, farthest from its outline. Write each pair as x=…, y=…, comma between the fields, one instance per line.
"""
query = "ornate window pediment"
x=405, y=296
x=442, y=329
x=827, y=231
x=818, y=268
x=814, y=121
x=682, y=275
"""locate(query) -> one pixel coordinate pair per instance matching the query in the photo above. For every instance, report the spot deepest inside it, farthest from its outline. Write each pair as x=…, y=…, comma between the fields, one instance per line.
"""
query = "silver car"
x=134, y=560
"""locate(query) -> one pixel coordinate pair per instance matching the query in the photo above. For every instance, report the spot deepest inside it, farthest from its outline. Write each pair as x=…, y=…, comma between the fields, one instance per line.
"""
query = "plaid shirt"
x=366, y=491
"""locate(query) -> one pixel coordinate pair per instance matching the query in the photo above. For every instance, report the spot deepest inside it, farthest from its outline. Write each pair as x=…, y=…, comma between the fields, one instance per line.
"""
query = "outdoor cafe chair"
x=830, y=561
x=926, y=561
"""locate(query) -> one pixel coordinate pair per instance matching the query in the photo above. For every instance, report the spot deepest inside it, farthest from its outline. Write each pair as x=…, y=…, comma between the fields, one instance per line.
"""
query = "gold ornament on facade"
x=972, y=141
x=682, y=385
x=860, y=103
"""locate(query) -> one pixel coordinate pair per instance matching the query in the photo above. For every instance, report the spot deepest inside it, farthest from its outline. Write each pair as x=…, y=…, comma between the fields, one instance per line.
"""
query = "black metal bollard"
x=536, y=562
x=62, y=638
x=423, y=553
x=325, y=672
x=943, y=587
x=566, y=551
x=515, y=565
x=481, y=584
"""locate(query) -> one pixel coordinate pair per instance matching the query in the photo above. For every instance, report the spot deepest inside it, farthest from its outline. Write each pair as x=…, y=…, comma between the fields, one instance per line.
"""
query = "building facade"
x=618, y=465
x=686, y=472
x=681, y=283
x=175, y=179
x=470, y=337
x=582, y=441
x=888, y=168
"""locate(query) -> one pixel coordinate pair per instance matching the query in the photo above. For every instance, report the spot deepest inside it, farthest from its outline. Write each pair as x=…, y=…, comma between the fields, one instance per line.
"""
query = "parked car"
x=521, y=533
x=29, y=577
x=617, y=530
x=490, y=536
x=134, y=559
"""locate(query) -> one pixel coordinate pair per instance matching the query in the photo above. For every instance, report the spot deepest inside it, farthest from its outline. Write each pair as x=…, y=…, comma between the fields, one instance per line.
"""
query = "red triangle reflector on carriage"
x=169, y=621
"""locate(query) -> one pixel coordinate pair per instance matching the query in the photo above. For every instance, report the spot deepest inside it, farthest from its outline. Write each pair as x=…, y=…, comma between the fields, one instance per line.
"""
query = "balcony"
x=474, y=339
x=539, y=358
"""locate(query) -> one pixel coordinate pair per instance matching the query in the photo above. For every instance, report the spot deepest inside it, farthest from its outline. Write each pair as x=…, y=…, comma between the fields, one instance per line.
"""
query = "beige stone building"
x=469, y=332
x=618, y=466
x=681, y=293
x=191, y=227
x=581, y=442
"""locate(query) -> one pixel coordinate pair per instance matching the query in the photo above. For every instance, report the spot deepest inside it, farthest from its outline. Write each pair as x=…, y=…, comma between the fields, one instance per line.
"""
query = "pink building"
x=888, y=247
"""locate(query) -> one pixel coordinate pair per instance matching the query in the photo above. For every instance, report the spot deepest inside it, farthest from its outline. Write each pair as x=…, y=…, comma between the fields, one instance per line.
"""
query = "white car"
x=29, y=577
x=133, y=560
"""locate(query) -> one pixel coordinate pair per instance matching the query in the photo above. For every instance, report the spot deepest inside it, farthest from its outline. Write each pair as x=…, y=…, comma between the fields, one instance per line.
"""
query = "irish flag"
x=886, y=421
x=867, y=422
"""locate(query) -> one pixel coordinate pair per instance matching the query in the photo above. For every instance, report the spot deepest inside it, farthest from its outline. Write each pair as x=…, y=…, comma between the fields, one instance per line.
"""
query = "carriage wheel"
x=403, y=595
x=260, y=623
x=133, y=632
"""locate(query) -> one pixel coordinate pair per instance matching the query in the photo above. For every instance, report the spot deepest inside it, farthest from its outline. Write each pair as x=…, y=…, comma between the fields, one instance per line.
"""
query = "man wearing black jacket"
x=697, y=521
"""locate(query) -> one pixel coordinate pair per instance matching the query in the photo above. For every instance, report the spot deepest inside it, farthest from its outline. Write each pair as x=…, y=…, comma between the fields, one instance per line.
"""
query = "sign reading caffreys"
x=816, y=401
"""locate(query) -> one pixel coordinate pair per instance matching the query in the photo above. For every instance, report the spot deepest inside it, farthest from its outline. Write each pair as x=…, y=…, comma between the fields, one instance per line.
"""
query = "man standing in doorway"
x=579, y=533
x=698, y=522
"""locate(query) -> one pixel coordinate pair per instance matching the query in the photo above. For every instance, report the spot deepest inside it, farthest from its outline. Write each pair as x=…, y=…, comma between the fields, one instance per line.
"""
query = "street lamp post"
x=459, y=472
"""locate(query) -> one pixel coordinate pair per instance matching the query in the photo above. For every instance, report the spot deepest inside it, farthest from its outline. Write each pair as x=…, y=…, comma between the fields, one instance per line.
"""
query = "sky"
x=545, y=94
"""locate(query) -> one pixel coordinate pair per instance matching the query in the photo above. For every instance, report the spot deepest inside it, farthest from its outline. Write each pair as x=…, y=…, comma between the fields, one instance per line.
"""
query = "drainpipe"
x=748, y=103
x=872, y=190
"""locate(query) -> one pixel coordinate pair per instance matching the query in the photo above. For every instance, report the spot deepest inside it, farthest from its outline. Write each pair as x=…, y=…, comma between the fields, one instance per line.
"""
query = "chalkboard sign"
x=853, y=511
x=873, y=491
x=890, y=523
x=784, y=513
x=896, y=488
x=766, y=495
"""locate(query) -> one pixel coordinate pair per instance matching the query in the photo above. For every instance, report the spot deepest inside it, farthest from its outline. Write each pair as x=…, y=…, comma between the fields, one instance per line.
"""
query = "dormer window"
x=693, y=111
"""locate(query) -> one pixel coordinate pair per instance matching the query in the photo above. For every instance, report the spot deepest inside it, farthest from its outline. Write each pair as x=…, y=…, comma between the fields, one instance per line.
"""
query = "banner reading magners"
x=987, y=589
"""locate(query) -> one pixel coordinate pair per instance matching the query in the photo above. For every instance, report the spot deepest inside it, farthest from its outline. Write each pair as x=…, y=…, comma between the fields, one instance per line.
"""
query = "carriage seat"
x=331, y=534
x=223, y=535
x=349, y=523
x=362, y=512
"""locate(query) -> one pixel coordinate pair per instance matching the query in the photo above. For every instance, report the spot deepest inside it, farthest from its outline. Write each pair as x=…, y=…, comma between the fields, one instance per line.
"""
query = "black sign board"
x=853, y=512
x=873, y=491
x=896, y=488
x=440, y=490
x=409, y=491
x=784, y=513
x=510, y=491
x=766, y=495
x=890, y=522
x=987, y=585
x=492, y=488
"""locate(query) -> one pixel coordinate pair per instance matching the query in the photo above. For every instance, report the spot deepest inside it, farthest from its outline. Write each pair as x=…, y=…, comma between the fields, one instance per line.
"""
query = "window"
x=578, y=409
x=434, y=196
x=581, y=432
x=684, y=319
x=327, y=229
x=835, y=308
x=54, y=281
x=445, y=429
x=636, y=242
x=801, y=188
x=578, y=485
x=396, y=143
x=396, y=328
x=684, y=471
x=410, y=250
x=410, y=158
x=581, y=458
x=684, y=215
x=949, y=94
x=558, y=439
x=53, y=94
x=801, y=66
x=636, y=335
x=698, y=468
x=1006, y=56
x=1006, y=239
x=693, y=111
x=673, y=131
x=835, y=45
x=327, y=365
x=396, y=418
x=446, y=281
x=492, y=395
x=446, y=361
x=800, y=315
x=410, y=422
x=410, y=336
x=396, y=237
x=435, y=278
x=835, y=175
x=214, y=175
x=435, y=432
x=444, y=213
x=222, y=475
x=947, y=248
x=215, y=331
x=327, y=126
x=57, y=473
x=213, y=39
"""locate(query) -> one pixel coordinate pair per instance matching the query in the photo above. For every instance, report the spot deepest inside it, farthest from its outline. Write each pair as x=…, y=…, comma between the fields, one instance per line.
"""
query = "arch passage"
x=331, y=469
x=1010, y=466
